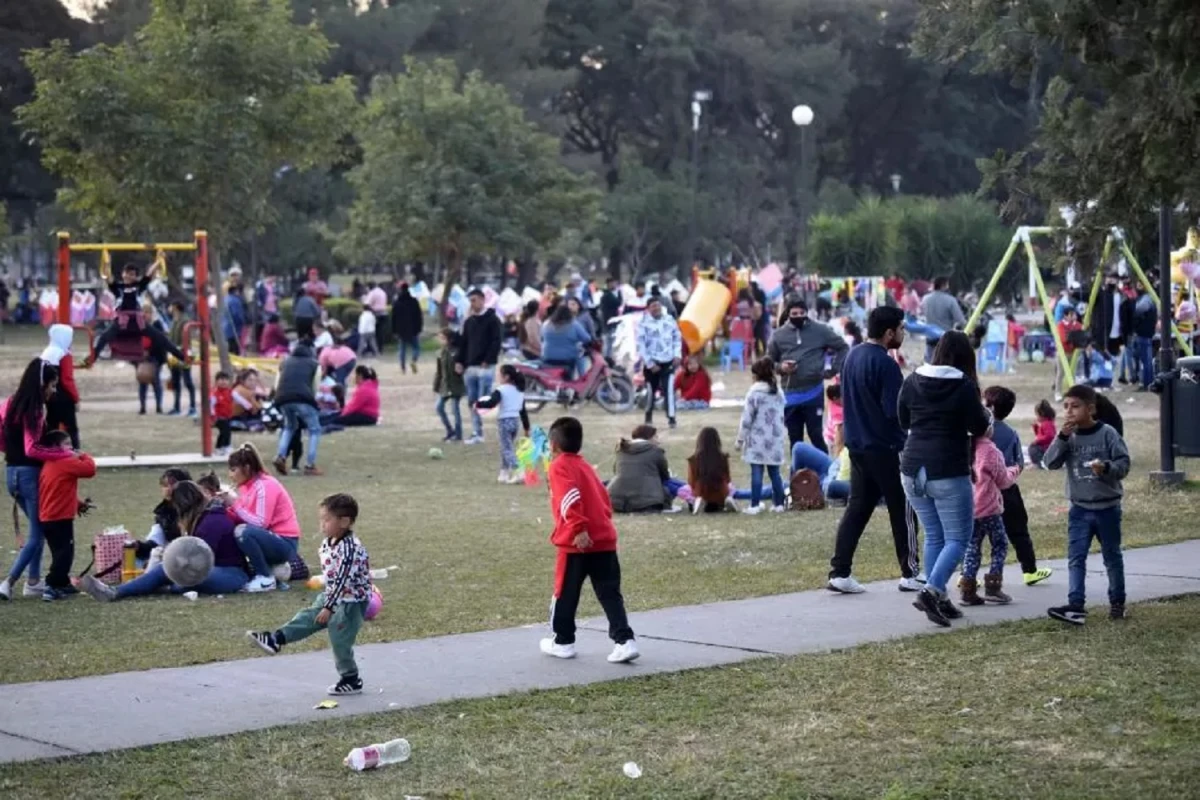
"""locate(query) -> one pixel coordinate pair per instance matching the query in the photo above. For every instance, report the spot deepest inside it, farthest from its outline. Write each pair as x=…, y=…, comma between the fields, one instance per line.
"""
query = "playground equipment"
x=199, y=246
x=704, y=313
x=1024, y=236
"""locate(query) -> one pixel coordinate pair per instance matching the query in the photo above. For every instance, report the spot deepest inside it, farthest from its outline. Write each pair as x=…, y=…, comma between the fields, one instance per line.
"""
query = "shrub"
x=343, y=309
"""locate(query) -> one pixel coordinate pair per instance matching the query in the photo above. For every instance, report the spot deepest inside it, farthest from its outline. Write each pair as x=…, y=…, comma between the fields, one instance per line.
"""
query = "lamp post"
x=699, y=98
x=1167, y=474
x=896, y=178
x=802, y=117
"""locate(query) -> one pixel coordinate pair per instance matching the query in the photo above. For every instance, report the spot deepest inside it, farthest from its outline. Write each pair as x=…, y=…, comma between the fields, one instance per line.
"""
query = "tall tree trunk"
x=216, y=320
x=452, y=276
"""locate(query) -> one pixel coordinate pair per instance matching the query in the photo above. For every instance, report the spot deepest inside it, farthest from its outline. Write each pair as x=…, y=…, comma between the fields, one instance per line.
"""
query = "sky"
x=77, y=8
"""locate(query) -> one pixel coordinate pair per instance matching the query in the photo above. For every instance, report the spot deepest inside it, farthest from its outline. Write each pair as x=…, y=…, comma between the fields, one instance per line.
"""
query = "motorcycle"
x=604, y=382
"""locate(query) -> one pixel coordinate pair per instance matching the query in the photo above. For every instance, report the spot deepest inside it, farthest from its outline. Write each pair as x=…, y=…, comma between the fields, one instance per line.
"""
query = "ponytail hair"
x=247, y=457
x=365, y=373
x=513, y=376
x=764, y=370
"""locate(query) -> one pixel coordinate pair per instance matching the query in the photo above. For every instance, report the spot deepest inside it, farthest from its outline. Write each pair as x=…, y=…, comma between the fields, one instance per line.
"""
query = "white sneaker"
x=752, y=510
x=779, y=509
x=34, y=589
x=5, y=590
x=911, y=585
x=515, y=478
x=261, y=583
x=845, y=586
x=624, y=653
x=473, y=440
x=697, y=505
x=731, y=505
x=502, y=477
x=559, y=650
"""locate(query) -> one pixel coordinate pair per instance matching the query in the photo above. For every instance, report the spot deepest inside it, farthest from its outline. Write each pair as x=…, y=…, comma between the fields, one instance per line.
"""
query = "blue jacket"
x=871, y=383
x=1005, y=438
x=235, y=316
x=565, y=343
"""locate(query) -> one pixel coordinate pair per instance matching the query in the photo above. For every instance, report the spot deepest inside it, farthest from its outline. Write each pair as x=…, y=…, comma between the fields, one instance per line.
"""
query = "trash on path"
x=191, y=595
x=962, y=712
x=378, y=755
x=379, y=574
x=326, y=704
x=632, y=770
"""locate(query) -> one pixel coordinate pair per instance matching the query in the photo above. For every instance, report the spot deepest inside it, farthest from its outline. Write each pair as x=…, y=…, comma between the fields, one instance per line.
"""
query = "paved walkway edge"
x=135, y=709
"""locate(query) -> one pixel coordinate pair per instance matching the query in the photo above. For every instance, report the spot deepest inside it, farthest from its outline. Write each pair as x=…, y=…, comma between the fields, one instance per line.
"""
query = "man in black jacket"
x=610, y=307
x=1145, y=322
x=407, y=322
x=477, y=356
x=1112, y=317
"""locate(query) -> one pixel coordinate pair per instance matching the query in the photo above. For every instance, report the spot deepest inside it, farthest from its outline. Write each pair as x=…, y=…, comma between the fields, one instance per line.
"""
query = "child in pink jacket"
x=991, y=477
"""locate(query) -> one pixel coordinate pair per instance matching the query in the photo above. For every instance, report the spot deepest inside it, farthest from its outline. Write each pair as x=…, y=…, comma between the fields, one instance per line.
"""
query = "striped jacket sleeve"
x=343, y=561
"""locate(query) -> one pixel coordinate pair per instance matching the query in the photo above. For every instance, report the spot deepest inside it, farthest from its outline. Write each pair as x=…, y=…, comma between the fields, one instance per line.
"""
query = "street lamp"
x=895, y=177
x=699, y=98
x=802, y=117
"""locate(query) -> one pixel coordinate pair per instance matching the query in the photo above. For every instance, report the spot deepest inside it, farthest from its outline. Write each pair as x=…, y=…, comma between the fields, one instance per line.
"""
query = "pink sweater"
x=264, y=503
x=991, y=476
x=364, y=400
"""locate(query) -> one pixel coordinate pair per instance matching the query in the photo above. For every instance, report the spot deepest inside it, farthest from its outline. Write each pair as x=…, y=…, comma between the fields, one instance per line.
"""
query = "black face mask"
x=798, y=322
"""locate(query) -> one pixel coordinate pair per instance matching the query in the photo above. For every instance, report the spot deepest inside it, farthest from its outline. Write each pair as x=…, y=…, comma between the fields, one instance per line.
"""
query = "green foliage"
x=185, y=125
x=960, y=237
x=643, y=211
x=451, y=167
x=343, y=309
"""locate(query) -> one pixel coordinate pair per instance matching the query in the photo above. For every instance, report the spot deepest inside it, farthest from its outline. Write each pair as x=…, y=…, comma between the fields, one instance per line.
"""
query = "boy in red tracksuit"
x=58, y=505
x=222, y=411
x=587, y=546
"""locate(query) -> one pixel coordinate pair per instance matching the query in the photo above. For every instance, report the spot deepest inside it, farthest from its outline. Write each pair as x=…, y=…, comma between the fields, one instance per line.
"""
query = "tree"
x=185, y=125
x=642, y=212
x=1121, y=119
x=451, y=168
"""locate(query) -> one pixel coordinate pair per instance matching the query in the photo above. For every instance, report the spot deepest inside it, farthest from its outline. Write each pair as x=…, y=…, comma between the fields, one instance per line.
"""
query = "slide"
x=703, y=314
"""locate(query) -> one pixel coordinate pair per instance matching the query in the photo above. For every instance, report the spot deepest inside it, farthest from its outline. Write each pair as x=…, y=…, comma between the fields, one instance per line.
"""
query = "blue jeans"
x=143, y=390
x=221, y=580
x=23, y=486
x=454, y=430
x=1105, y=525
x=946, y=508
x=1144, y=347
x=293, y=415
x=343, y=373
x=263, y=548
x=407, y=346
x=479, y=386
x=805, y=456
x=756, y=483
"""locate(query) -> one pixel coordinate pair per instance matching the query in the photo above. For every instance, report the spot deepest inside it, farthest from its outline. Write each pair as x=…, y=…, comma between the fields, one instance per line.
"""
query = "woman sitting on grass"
x=693, y=385
x=363, y=406
x=269, y=532
x=200, y=517
x=641, y=474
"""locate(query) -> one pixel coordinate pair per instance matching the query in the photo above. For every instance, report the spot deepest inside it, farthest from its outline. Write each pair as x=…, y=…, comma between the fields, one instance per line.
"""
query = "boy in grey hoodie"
x=1097, y=460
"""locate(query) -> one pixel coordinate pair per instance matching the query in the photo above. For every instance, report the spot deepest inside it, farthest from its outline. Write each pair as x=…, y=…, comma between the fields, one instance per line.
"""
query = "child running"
x=1001, y=401
x=509, y=396
x=1096, y=460
x=708, y=474
x=762, y=435
x=58, y=505
x=587, y=546
x=1044, y=431
x=340, y=608
x=991, y=478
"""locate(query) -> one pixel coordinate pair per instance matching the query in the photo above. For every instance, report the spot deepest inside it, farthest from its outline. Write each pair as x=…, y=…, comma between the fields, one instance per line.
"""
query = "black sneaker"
x=928, y=601
x=948, y=609
x=265, y=640
x=671, y=423
x=349, y=685
x=1075, y=615
x=1116, y=611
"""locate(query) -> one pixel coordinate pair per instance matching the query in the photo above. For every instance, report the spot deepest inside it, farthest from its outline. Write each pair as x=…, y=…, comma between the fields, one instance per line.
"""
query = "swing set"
x=130, y=348
x=1024, y=236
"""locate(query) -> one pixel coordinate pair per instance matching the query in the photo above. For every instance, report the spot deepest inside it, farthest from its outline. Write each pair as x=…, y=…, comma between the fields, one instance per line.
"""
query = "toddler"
x=991, y=478
x=834, y=419
x=222, y=410
x=58, y=505
x=448, y=385
x=1043, y=431
x=509, y=397
x=762, y=435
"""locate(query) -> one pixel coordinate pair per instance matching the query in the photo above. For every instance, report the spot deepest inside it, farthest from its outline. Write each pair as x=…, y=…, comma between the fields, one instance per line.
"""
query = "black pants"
x=60, y=414
x=234, y=346
x=158, y=339
x=605, y=571
x=224, y=432
x=182, y=377
x=60, y=537
x=807, y=416
x=353, y=420
x=1016, y=525
x=660, y=381
x=304, y=327
x=875, y=474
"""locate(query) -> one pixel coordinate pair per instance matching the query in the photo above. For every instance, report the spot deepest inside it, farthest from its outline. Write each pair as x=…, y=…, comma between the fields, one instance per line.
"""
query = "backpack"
x=806, y=491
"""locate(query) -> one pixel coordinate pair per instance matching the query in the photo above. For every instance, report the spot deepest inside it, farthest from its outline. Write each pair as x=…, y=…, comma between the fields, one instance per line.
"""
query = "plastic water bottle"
x=378, y=574
x=378, y=755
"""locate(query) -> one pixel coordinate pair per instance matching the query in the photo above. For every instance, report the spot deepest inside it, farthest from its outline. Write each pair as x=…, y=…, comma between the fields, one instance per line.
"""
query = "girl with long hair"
x=708, y=474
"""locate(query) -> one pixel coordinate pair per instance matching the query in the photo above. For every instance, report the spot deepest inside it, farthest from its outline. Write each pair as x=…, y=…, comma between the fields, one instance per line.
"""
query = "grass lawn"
x=1030, y=709
x=472, y=555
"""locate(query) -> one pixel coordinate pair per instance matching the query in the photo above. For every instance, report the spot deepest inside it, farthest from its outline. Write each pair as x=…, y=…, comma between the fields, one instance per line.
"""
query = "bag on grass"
x=300, y=571
x=806, y=491
x=108, y=554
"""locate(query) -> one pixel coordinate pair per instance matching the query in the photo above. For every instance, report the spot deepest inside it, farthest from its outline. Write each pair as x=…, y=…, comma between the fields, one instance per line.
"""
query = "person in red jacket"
x=693, y=384
x=58, y=505
x=587, y=546
x=222, y=410
x=1069, y=324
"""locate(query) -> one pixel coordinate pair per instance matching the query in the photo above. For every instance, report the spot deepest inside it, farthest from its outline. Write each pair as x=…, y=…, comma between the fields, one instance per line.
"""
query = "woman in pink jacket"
x=269, y=532
x=991, y=478
x=363, y=406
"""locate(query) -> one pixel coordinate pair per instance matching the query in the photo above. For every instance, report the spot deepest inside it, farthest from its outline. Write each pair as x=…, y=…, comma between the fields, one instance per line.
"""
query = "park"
x=454, y=216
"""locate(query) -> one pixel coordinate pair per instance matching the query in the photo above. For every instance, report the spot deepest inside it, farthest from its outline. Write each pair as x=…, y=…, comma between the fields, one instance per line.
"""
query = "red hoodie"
x=694, y=385
x=578, y=502
x=58, y=486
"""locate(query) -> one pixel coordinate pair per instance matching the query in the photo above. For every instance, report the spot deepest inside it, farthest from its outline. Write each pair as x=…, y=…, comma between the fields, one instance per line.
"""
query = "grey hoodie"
x=1085, y=488
x=641, y=468
x=806, y=346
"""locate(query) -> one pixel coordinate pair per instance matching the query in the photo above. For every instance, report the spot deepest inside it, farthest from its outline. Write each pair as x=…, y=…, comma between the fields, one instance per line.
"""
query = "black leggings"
x=158, y=339
x=60, y=413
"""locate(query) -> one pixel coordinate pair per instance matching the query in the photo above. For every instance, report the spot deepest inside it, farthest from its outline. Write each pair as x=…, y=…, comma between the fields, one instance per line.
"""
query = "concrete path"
x=111, y=712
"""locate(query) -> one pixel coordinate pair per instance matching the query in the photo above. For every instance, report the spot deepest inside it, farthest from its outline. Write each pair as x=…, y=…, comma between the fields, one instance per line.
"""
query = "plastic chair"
x=734, y=350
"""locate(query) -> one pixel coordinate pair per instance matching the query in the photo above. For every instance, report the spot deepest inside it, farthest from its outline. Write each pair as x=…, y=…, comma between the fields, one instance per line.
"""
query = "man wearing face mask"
x=798, y=350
